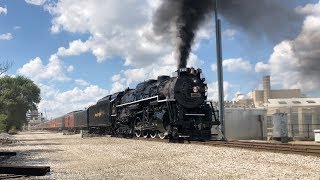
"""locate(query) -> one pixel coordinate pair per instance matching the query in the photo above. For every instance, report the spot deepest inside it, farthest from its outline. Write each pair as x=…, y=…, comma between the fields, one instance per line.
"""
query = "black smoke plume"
x=274, y=20
x=186, y=16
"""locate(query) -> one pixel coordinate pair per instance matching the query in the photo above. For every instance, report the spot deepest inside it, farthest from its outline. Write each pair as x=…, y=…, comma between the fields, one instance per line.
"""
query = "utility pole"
x=219, y=70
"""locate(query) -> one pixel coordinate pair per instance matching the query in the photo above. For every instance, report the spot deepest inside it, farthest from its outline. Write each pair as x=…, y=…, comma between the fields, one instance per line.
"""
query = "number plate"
x=195, y=95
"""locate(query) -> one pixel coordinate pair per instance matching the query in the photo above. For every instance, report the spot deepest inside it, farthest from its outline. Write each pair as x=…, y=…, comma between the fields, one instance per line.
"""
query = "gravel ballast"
x=6, y=138
x=73, y=157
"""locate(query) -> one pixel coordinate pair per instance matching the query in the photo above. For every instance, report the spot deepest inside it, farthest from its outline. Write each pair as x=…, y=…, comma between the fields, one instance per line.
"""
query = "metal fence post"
x=308, y=131
x=292, y=131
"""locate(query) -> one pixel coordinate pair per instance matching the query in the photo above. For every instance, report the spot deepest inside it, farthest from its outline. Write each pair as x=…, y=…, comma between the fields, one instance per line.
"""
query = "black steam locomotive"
x=173, y=107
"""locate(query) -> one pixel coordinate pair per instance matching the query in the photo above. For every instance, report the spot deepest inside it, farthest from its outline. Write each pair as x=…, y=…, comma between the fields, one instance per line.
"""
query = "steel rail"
x=313, y=150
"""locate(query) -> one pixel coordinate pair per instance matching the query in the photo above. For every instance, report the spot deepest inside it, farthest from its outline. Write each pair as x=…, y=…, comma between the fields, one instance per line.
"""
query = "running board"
x=195, y=114
x=183, y=136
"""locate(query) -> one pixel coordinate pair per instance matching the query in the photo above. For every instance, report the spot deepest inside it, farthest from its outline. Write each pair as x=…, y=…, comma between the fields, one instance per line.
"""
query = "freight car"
x=173, y=107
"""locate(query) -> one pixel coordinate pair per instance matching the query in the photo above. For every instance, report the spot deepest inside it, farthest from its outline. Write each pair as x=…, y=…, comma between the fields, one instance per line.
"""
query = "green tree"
x=4, y=66
x=17, y=96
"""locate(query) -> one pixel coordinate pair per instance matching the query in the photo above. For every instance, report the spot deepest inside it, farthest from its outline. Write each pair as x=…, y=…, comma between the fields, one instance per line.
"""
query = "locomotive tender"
x=173, y=107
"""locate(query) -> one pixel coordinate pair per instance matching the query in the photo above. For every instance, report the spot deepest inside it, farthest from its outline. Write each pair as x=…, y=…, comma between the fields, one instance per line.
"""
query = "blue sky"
x=79, y=51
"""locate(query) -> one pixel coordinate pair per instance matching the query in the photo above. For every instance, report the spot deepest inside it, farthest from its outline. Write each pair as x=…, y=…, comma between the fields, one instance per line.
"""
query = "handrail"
x=153, y=97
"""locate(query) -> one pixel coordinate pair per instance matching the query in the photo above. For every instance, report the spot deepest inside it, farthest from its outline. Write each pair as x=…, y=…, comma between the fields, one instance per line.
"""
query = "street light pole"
x=219, y=70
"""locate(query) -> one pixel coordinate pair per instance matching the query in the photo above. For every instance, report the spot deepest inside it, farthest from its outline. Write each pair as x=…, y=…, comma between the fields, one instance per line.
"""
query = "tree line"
x=18, y=95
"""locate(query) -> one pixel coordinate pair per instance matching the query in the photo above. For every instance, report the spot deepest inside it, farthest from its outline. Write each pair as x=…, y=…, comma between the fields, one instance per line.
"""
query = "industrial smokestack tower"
x=266, y=88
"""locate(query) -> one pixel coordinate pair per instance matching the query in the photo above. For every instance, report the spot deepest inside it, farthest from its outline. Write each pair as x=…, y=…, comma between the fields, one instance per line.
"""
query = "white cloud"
x=116, y=77
x=262, y=67
x=112, y=32
x=296, y=63
x=7, y=36
x=16, y=27
x=309, y=9
x=70, y=68
x=3, y=10
x=238, y=64
x=94, y=16
x=285, y=69
x=213, y=67
x=115, y=28
x=213, y=93
x=81, y=82
x=56, y=103
x=75, y=48
x=37, y=71
x=229, y=33
x=166, y=66
x=36, y=2
x=234, y=65
x=117, y=86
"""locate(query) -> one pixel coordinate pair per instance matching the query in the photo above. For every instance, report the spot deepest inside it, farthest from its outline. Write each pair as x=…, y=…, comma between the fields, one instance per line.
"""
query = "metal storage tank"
x=280, y=126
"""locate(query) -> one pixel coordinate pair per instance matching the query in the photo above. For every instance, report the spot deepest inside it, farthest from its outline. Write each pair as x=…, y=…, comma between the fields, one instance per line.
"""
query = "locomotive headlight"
x=195, y=89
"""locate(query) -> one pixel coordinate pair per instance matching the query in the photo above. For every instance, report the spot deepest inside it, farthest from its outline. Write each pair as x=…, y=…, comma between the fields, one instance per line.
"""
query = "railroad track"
x=11, y=176
x=313, y=150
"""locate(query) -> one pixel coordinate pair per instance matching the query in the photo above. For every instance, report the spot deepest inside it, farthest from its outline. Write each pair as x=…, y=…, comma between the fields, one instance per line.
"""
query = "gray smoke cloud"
x=306, y=47
x=308, y=56
x=274, y=20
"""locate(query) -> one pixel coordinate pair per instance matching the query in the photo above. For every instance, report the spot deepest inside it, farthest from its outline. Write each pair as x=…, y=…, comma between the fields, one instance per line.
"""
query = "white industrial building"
x=303, y=115
x=252, y=118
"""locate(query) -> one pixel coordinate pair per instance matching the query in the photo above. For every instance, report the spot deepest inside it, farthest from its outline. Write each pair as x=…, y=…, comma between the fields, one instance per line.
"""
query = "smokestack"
x=266, y=88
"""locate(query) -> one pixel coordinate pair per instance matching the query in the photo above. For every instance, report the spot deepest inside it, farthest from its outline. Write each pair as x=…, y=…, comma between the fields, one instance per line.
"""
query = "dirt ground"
x=73, y=157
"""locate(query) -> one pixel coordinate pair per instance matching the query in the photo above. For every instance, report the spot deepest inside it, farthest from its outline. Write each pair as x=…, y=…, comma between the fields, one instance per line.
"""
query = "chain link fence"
x=304, y=131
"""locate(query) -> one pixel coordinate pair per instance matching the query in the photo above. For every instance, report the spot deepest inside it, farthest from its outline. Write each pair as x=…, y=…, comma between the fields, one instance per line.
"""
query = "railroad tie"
x=24, y=170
